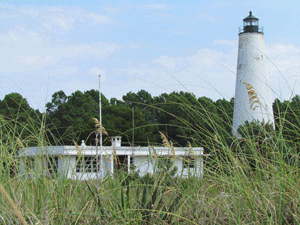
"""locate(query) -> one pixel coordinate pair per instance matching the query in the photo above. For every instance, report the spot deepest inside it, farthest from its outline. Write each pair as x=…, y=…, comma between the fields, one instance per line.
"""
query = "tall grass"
x=253, y=180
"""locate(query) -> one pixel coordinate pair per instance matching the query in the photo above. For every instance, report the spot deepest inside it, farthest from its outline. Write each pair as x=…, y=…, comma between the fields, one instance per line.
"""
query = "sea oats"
x=99, y=127
x=253, y=97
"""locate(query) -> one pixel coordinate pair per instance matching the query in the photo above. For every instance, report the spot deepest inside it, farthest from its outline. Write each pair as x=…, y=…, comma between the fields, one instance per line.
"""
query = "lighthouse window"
x=164, y=162
x=86, y=164
x=188, y=162
x=251, y=23
x=30, y=163
x=52, y=162
x=79, y=164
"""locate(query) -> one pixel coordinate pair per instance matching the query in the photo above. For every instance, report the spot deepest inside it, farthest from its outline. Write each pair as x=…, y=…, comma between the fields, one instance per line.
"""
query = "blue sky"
x=159, y=46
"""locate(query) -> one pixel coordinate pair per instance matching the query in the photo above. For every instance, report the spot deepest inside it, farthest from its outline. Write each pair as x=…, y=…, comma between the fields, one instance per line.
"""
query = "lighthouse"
x=252, y=91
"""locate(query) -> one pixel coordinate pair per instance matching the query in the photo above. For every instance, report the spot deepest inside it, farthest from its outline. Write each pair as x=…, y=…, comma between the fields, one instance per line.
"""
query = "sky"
x=159, y=46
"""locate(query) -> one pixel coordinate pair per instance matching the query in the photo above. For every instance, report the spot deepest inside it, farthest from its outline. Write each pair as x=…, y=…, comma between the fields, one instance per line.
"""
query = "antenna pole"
x=132, y=126
x=100, y=120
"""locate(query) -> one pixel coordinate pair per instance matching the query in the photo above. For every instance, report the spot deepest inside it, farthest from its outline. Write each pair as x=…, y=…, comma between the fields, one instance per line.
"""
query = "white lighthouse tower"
x=252, y=91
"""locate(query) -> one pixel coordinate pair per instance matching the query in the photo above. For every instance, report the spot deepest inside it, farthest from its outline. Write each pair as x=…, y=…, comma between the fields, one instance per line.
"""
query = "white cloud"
x=97, y=71
x=279, y=49
x=179, y=32
x=99, y=50
x=205, y=72
x=7, y=16
x=64, y=23
x=284, y=67
x=207, y=18
x=155, y=6
x=55, y=9
x=284, y=57
x=65, y=70
x=206, y=59
x=229, y=43
x=219, y=5
x=98, y=18
x=63, y=18
x=26, y=50
x=166, y=61
x=52, y=17
x=33, y=60
x=134, y=46
x=111, y=10
x=30, y=11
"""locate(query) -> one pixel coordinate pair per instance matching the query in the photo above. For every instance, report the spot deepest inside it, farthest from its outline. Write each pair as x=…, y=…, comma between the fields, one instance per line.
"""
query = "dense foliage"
x=139, y=117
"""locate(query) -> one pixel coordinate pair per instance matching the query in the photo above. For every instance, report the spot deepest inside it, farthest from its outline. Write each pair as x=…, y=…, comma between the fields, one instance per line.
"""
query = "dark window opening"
x=79, y=164
x=121, y=162
x=132, y=166
x=52, y=164
x=131, y=160
x=188, y=162
x=30, y=163
x=88, y=164
x=164, y=162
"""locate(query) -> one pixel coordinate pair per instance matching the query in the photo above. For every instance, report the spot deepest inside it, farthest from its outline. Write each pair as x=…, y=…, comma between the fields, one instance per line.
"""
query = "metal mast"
x=132, y=126
x=100, y=121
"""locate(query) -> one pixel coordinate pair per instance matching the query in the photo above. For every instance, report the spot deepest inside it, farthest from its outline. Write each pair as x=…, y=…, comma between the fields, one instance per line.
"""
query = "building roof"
x=109, y=150
x=250, y=18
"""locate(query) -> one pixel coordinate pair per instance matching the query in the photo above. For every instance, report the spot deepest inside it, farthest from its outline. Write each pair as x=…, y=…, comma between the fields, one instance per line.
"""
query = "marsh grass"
x=253, y=180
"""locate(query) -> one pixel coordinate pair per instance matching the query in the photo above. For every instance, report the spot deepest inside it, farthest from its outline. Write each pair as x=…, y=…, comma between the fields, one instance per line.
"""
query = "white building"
x=80, y=162
x=252, y=91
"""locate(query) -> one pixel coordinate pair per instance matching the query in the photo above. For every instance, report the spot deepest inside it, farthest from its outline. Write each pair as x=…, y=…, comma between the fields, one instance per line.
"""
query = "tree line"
x=138, y=118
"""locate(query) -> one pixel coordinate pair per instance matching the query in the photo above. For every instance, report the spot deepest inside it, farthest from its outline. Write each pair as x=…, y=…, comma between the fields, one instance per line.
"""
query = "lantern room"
x=251, y=25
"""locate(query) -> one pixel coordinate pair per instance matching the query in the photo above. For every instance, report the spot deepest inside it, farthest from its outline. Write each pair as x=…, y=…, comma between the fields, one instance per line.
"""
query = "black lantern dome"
x=251, y=25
